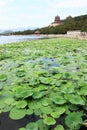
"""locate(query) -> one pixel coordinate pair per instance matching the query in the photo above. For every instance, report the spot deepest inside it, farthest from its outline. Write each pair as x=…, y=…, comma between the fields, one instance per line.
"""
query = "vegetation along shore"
x=46, y=79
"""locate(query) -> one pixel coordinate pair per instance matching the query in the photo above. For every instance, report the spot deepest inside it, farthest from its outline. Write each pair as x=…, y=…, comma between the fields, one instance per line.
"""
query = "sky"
x=37, y=13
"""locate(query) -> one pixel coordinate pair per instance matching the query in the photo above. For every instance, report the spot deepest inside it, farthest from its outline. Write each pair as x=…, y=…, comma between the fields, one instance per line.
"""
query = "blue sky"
x=37, y=13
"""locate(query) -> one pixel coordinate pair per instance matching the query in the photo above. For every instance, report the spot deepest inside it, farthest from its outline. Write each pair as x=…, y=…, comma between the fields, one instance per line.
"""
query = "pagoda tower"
x=56, y=22
x=57, y=19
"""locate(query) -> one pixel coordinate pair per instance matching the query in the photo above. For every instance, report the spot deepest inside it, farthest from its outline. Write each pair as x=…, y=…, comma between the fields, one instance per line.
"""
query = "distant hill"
x=20, y=29
x=7, y=32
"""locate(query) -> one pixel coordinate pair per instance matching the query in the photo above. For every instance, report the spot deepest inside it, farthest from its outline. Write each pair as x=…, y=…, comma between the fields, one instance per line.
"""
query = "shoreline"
x=42, y=36
x=64, y=36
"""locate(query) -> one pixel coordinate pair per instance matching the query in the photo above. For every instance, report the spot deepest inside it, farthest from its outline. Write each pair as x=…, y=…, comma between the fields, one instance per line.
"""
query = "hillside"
x=75, y=23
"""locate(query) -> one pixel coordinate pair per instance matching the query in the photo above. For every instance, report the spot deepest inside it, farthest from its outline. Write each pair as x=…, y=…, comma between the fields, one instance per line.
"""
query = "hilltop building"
x=37, y=32
x=69, y=17
x=56, y=21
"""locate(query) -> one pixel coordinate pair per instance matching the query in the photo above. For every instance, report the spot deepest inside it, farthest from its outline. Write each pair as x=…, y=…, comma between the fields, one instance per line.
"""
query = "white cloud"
x=70, y=4
x=5, y=2
x=78, y=3
x=2, y=3
x=66, y=7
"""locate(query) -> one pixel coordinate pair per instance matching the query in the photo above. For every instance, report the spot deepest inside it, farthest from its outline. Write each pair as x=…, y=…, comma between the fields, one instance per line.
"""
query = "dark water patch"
x=60, y=121
x=8, y=124
x=73, y=68
x=50, y=62
x=83, y=128
x=52, y=65
x=46, y=63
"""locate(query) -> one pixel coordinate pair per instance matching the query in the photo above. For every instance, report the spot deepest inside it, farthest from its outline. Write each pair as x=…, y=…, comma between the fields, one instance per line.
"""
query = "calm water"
x=17, y=38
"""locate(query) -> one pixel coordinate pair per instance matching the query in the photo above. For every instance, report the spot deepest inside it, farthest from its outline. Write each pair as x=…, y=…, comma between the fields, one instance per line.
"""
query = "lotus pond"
x=45, y=80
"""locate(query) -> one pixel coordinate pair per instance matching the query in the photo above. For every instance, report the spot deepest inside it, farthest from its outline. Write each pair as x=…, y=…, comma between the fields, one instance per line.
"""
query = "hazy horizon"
x=37, y=13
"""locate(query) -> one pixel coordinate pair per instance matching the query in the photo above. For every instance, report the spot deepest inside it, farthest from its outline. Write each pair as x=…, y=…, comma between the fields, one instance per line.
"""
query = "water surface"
x=18, y=38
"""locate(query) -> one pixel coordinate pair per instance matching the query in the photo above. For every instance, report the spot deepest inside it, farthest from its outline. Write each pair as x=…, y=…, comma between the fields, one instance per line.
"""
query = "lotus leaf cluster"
x=47, y=79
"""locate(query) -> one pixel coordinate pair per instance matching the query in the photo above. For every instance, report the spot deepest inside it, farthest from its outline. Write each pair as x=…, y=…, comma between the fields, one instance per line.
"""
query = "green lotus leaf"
x=59, y=100
x=42, y=87
x=1, y=86
x=41, y=125
x=66, y=75
x=37, y=95
x=74, y=120
x=29, y=111
x=7, y=93
x=2, y=105
x=20, y=64
x=21, y=129
x=75, y=99
x=45, y=102
x=0, y=111
x=73, y=107
x=85, y=57
x=55, y=82
x=36, y=79
x=9, y=101
x=40, y=122
x=75, y=77
x=84, y=70
x=58, y=111
x=82, y=83
x=41, y=72
x=58, y=76
x=55, y=115
x=21, y=104
x=32, y=126
x=67, y=88
x=33, y=81
x=23, y=92
x=37, y=112
x=16, y=113
x=83, y=91
x=45, y=80
x=3, y=77
x=20, y=73
x=35, y=104
x=49, y=121
x=7, y=108
x=59, y=127
x=54, y=70
x=46, y=110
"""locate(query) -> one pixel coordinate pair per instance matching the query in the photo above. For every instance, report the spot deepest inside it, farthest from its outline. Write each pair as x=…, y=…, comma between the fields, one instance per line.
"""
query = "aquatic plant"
x=45, y=78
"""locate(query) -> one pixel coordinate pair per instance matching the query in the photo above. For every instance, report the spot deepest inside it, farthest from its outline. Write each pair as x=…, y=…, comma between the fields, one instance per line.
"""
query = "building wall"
x=77, y=32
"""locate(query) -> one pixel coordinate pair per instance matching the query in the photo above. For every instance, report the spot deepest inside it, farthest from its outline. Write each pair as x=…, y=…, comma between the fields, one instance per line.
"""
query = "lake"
x=18, y=38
